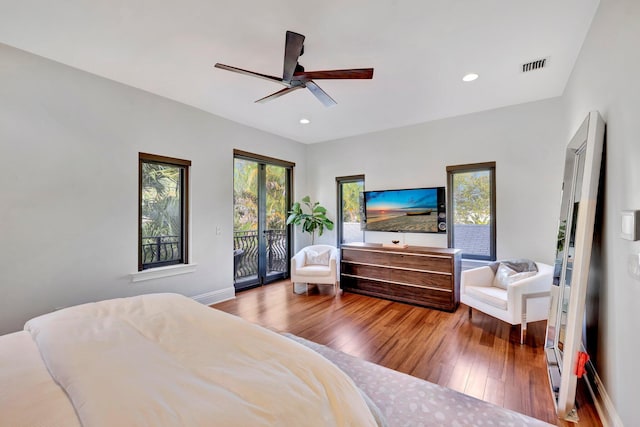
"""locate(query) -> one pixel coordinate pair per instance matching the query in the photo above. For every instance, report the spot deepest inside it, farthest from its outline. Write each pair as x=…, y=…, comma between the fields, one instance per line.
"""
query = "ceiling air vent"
x=534, y=65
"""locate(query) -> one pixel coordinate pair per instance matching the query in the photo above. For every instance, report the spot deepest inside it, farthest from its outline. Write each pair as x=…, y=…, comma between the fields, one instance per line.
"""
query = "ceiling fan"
x=295, y=77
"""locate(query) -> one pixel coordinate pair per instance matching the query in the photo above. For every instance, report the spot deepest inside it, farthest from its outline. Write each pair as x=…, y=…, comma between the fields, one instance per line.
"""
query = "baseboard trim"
x=215, y=297
x=604, y=406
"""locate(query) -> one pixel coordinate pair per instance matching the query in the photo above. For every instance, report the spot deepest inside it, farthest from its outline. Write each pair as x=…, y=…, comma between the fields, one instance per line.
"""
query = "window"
x=350, y=208
x=163, y=211
x=472, y=209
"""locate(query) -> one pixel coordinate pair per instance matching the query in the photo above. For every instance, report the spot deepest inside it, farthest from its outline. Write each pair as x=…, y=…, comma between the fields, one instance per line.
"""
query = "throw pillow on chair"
x=312, y=257
x=506, y=276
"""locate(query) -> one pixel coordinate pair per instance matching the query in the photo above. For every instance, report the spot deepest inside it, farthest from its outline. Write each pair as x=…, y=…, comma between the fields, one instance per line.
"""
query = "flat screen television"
x=412, y=210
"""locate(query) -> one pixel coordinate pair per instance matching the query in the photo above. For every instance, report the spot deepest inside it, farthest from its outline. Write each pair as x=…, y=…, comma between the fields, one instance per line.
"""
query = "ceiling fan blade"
x=250, y=73
x=292, y=51
x=353, y=73
x=320, y=94
x=278, y=94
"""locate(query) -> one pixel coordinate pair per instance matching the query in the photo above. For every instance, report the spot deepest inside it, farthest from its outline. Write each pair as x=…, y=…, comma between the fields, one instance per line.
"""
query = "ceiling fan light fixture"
x=295, y=77
x=304, y=121
x=470, y=77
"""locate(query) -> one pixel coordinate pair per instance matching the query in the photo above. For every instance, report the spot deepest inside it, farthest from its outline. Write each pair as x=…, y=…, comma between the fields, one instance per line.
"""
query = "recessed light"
x=304, y=121
x=470, y=77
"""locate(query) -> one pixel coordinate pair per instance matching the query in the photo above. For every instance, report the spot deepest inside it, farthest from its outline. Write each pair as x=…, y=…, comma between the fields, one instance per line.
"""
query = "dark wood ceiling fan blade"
x=278, y=94
x=250, y=73
x=320, y=94
x=292, y=51
x=353, y=73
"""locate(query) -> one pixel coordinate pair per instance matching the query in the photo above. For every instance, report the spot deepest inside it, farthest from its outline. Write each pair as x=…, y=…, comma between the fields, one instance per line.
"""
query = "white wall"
x=605, y=79
x=526, y=142
x=69, y=144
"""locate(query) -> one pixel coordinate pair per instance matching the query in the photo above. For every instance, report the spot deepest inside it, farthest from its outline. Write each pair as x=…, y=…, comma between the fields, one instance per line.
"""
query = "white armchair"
x=515, y=298
x=315, y=264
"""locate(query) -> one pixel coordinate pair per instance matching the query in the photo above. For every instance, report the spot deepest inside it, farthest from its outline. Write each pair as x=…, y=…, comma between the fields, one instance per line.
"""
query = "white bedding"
x=28, y=395
x=166, y=360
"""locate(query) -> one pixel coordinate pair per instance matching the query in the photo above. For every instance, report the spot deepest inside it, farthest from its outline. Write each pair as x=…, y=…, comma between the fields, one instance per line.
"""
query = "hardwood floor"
x=481, y=357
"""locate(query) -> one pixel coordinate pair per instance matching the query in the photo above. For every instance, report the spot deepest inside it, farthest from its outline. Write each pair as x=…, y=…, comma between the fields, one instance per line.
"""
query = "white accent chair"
x=315, y=264
x=516, y=301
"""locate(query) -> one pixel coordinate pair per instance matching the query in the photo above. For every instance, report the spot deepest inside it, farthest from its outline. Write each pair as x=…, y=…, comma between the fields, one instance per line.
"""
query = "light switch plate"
x=630, y=225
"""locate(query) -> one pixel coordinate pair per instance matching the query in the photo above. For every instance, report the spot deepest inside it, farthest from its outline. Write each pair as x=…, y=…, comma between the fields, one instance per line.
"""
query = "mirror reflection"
x=565, y=250
x=573, y=248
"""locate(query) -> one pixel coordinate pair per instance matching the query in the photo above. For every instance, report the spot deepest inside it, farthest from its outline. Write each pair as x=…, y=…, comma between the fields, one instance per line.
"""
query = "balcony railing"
x=160, y=250
x=245, y=245
x=166, y=250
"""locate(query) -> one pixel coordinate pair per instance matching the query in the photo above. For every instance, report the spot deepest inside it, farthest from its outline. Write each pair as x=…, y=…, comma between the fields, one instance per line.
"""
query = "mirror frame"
x=588, y=142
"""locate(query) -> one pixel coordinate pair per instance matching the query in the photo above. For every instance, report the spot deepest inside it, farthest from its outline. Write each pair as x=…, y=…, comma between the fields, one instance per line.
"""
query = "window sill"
x=468, y=263
x=160, y=272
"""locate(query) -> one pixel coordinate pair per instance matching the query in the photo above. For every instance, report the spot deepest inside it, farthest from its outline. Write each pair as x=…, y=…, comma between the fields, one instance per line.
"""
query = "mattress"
x=166, y=360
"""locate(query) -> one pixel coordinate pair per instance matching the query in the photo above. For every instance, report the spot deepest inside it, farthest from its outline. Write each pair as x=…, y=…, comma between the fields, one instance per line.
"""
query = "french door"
x=261, y=238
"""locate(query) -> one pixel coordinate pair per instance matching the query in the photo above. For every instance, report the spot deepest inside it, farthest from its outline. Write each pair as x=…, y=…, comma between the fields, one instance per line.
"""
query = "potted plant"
x=316, y=219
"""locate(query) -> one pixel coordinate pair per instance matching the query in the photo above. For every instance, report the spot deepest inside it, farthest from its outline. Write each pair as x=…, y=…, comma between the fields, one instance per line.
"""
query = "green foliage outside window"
x=161, y=204
x=276, y=197
x=472, y=198
x=351, y=201
x=245, y=196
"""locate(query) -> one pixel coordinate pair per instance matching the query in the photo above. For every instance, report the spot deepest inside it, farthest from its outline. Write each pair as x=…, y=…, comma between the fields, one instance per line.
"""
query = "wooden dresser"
x=419, y=275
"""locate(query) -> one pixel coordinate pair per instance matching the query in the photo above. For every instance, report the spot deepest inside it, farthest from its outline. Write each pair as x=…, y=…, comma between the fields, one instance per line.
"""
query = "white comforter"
x=165, y=360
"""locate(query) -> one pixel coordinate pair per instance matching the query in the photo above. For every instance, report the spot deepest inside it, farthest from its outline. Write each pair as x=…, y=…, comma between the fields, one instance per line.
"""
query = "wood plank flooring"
x=481, y=356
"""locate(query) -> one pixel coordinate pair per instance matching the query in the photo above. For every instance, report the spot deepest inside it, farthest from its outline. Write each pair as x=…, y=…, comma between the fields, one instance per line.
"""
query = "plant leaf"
x=293, y=219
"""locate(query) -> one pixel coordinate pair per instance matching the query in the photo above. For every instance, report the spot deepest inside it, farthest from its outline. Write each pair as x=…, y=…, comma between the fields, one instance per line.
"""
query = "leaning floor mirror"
x=563, y=344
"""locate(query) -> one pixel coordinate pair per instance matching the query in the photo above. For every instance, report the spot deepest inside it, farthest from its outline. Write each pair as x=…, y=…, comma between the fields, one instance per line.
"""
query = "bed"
x=166, y=360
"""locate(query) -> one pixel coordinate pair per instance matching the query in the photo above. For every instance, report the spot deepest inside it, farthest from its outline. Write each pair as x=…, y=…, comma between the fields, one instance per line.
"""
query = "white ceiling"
x=420, y=50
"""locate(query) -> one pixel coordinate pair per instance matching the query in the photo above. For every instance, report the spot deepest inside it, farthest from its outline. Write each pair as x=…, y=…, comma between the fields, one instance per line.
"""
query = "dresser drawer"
x=441, y=299
x=398, y=259
x=398, y=275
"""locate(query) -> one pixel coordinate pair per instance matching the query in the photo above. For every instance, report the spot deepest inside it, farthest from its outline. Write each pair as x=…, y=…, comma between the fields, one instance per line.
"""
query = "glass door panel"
x=245, y=223
x=277, y=257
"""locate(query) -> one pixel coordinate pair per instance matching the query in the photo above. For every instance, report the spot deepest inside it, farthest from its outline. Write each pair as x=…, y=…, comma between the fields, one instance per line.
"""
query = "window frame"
x=184, y=166
x=473, y=167
x=339, y=181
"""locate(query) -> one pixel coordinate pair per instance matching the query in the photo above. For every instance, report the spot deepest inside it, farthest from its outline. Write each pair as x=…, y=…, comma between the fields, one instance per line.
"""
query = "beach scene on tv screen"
x=413, y=210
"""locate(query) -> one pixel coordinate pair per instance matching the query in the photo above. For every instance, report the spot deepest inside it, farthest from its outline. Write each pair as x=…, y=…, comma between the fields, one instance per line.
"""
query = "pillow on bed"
x=506, y=276
x=312, y=257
